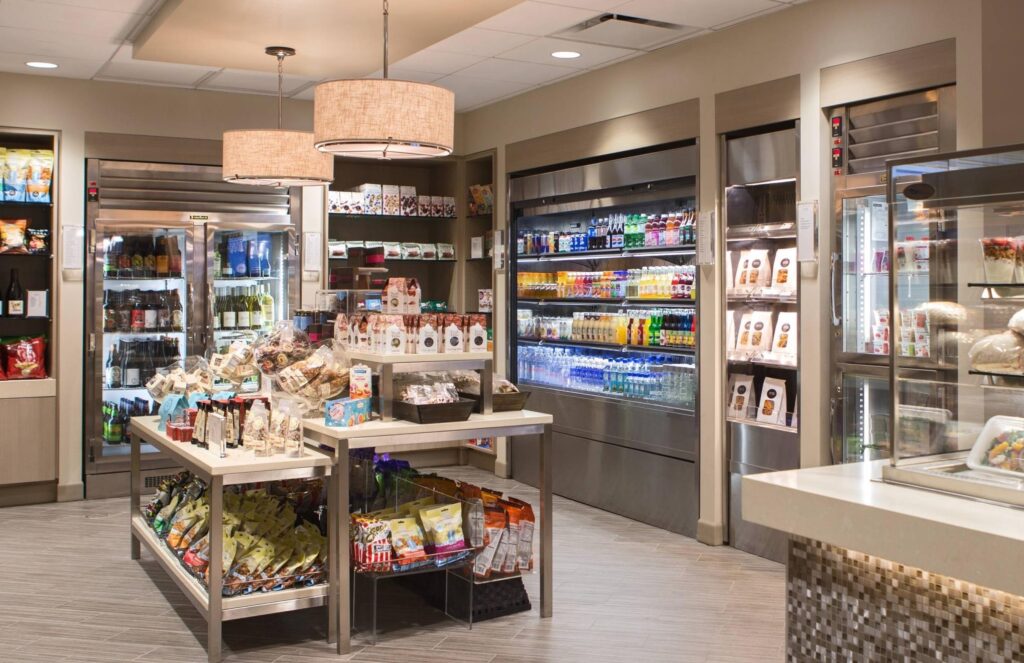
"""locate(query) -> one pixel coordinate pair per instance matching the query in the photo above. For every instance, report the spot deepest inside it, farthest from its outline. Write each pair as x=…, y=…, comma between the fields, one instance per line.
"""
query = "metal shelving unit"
x=237, y=468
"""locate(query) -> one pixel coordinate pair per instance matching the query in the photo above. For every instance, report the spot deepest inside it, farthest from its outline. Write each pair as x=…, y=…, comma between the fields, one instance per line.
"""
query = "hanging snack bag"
x=13, y=236
x=743, y=272
x=527, y=524
x=40, y=174
x=16, y=172
x=25, y=359
x=740, y=396
x=785, y=334
x=495, y=521
x=745, y=333
x=772, y=409
x=783, y=274
x=761, y=331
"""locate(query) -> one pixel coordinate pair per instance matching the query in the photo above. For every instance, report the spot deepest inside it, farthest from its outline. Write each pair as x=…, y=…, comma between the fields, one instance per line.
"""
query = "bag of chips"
x=407, y=543
x=494, y=528
x=16, y=172
x=442, y=527
x=527, y=524
x=26, y=358
x=39, y=176
x=281, y=348
x=13, y=236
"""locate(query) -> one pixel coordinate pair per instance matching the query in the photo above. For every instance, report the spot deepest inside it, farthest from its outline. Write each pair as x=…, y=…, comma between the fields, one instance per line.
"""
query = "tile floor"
x=623, y=592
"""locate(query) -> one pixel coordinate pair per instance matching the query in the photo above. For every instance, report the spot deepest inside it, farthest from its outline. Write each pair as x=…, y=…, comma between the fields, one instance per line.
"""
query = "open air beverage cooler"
x=180, y=264
x=604, y=289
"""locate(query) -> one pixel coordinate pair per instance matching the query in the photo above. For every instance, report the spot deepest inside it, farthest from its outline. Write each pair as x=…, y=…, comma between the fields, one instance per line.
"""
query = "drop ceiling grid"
x=500, y=57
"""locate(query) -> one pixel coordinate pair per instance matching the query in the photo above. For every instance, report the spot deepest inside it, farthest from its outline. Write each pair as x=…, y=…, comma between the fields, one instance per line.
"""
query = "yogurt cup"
x=999, y=259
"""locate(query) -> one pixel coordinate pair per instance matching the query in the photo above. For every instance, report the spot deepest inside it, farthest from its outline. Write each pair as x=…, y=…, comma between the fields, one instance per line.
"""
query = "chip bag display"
x=25, y=359
x=14, y=236
x=16, y=174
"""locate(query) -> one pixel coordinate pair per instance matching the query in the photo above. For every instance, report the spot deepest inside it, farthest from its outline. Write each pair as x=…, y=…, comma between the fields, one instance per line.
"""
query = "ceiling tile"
x=69, y=67
x=235, y=80
x=67, y=19
x=403, y=74
x=437, y=62
x=478, y=41
x=591, y=55
x=56, y=45
x=123, y=68
x=699, y=13
x=471, y=91
x=517, y=72
x=126, y=6
x=538, y=18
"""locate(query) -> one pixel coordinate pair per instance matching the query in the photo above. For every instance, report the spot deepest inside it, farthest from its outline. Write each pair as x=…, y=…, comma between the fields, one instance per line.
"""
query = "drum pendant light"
x=383, y=118
x=275, y=157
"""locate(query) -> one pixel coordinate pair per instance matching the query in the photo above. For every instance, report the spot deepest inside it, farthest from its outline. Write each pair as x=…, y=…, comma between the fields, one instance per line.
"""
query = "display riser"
x=651, y=488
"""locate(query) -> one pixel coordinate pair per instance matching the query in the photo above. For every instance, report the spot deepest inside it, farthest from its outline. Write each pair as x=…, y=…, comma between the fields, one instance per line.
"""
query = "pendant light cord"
x=386, y=12
x=280, y=86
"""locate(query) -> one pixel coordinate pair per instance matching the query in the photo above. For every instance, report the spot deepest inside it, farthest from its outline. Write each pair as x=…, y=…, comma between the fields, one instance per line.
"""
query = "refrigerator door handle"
x=832, y=289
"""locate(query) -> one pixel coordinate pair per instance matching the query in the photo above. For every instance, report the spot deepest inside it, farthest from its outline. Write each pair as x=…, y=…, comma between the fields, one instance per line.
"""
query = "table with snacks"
x=233, y=597
x=338, y=441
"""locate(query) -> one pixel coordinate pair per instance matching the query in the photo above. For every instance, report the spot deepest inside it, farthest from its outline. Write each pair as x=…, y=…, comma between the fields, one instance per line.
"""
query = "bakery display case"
x=957, y=377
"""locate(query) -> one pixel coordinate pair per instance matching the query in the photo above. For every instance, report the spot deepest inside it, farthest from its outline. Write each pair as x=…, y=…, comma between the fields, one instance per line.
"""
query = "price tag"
x=807, y=231
x=312, y=252
x=706, y=231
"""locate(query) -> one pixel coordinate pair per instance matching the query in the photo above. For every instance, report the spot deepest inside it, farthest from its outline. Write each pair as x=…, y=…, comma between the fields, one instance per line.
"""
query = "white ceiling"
x=500, y=57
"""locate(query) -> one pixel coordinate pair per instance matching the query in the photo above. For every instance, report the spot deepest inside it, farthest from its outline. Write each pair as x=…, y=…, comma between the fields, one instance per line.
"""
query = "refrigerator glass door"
x=863, y=418
x=251, y=284
x=865, y=276
x=139, y=317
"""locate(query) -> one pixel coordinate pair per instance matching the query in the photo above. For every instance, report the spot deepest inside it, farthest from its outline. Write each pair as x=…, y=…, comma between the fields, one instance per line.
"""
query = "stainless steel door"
x=138, y=313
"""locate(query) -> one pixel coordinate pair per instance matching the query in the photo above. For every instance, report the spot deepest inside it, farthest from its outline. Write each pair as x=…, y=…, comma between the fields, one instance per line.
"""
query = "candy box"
x=373, y=198
x=347, y=412
x=408, y=201
x=423, y=205
x=392, y=199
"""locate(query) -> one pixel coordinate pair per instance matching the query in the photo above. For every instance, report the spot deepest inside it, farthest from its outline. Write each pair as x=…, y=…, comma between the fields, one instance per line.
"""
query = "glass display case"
x=957, y=380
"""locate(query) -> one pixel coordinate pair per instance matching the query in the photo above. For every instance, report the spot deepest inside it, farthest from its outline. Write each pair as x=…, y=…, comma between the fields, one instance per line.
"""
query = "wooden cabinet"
x=28, y=441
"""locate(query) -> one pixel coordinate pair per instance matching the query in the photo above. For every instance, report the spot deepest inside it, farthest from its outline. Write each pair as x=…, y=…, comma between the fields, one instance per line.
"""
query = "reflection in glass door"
x=862, y=420
x=865, y=276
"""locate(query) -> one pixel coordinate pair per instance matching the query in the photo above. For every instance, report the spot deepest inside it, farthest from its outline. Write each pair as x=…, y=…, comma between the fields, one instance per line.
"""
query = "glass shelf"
x=611, y=254
x=587, y=345
x=662, y=303
x=389, y=217
x=140, y=279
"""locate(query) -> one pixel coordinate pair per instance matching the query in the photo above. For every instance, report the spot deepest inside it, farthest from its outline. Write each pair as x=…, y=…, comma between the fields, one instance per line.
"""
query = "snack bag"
x=443, y=528
x=256, y=432
x=740, y=396
x=494, y=528
x=407, y=543
x=786, y=334
x=39, y=175
x=16, y=173
x=783, y=275
x=25, y=358
x=13, y=236
x=281, y=348
x=772, y=409
x=511, y=560
x=38, y=241
x=527, y=524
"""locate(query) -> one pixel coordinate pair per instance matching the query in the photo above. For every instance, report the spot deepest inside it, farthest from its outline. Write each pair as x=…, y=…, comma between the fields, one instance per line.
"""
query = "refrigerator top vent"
x=894, y=128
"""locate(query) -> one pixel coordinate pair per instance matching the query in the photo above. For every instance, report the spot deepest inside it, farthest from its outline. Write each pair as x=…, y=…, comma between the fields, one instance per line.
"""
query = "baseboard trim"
x=70, y=492
x=28, y=493
x=712, y=534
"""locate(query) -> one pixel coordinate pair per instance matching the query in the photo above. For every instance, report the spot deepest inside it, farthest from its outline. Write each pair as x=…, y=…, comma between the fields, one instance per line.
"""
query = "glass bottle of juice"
x=654, y=331
x=621, y=330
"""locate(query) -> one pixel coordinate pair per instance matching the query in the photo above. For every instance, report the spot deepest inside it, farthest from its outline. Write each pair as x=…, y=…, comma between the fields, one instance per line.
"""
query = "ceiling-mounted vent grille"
x=627, y=32
x=894, y=128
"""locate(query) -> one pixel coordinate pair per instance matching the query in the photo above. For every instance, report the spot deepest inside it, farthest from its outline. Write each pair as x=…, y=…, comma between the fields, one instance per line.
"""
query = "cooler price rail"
x=239, y=467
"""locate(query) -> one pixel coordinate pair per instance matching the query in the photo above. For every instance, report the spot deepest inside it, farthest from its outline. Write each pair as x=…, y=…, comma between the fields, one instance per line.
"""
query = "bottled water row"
x=654, y=378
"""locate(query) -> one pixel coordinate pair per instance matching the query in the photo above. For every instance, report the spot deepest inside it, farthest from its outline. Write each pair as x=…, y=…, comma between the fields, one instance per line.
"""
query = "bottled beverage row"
x=653, y=378
x=141, y=257
x=131, y=363
x=616, y=231
x=116, y=416
x=647, y=328
x=661, y=282
x=142, y=311
x=244, y=307
x=238, y=256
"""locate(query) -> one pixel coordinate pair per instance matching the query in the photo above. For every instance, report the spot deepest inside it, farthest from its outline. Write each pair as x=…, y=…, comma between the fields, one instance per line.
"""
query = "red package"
x=25, y=359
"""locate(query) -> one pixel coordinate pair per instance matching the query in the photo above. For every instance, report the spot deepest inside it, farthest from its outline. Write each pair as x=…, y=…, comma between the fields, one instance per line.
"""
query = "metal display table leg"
x=135, y=492
x=339, y=606
x=545, y=523
x=216, y=570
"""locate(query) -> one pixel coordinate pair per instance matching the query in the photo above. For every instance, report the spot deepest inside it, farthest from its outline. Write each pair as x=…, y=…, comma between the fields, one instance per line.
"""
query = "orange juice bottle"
x=621, y=330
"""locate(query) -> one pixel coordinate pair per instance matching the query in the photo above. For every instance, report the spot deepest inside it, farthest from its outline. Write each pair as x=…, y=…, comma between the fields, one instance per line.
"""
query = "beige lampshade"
x=384, y=119
x=274, y=157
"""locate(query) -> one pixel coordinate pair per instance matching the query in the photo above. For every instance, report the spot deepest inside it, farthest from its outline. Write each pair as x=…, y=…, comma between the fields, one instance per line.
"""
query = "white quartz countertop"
x=848, y=506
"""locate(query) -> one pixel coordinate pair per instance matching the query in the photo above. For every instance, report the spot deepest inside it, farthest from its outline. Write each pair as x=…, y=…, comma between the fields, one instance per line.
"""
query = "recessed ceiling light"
x=41, y=65
x=565, y=55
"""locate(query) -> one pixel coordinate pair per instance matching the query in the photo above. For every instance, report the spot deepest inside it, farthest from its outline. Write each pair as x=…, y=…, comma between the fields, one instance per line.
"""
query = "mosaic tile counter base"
x=851, y=607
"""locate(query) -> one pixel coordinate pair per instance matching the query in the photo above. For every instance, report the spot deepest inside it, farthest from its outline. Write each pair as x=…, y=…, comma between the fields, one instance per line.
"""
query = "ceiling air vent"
x=628, y=32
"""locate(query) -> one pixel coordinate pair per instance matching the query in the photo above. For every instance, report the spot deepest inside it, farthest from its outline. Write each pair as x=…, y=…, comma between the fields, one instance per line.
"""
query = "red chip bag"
x=25, y=359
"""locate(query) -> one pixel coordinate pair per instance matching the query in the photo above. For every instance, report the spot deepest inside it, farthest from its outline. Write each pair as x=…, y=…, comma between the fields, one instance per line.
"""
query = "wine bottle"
x=174, y=257
x=241, y=310
x=130, y=375
x=163, y=314
x=113, y=368
x=267, y=308
x=149, y=258
x=163, y=257
x=227, y=314
x=138, y=259
x=152, y=312
x=111, y=259
x=15, y=300
x=255, y=310
x=177, y=315
x=218, y=298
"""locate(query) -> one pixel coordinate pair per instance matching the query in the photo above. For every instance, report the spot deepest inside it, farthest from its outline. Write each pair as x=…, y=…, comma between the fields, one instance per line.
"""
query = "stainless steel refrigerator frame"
x=211, y=207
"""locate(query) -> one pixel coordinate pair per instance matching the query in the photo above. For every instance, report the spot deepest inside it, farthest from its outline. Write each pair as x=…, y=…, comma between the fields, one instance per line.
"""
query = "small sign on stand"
x=807, y=231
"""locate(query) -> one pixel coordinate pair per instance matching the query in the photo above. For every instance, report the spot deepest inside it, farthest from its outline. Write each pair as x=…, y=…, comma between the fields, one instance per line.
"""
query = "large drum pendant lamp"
x=384, y=118
x=275, y=157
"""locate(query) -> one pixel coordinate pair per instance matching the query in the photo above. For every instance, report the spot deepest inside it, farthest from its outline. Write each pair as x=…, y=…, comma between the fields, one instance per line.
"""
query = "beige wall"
x=74, y=107
x=798, y=41
x=1003, y=85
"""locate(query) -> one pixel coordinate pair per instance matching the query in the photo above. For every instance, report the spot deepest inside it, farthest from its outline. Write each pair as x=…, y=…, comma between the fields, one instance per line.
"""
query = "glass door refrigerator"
x=864, y=136
x=158, y=290
x=604, y=289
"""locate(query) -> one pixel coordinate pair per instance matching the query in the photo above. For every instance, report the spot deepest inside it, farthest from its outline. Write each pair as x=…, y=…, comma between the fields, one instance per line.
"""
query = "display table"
x=388, y=365
x=390, y=435
x=238, y=467
x=890, y=571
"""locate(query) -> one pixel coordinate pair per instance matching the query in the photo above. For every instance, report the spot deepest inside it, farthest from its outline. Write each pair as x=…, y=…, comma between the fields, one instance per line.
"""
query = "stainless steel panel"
x=897, y=145
x=653, y=193
x=909, y=127
x=762, y=157
x=623, y=423
x=894, y=109
x=653, y=489
x=764, y=448
x=614, y=173
x=751, y=537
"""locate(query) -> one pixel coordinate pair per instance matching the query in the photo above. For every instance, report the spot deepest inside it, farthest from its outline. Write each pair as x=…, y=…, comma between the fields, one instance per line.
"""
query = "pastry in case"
x=999, y=448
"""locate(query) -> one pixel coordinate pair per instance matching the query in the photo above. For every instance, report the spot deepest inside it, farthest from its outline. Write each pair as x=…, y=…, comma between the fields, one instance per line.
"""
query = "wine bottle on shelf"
x=255, y=312
x=225, y=270
x=241, y=309
x=163, y=312
x=138, y=259
x=151, y=312
x=215, y=307
x=173, y=257
x=227, y=313
x=265, y=258
x=111, y=259
x=267, y=308
x=163, y=257
x=112, y=370
x=130, y=377
x=109, y=311
x=15, y=299
x=177, y=315
x=149, y=258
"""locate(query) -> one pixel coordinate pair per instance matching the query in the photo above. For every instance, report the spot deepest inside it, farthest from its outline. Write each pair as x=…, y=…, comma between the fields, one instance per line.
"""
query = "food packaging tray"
x=437, y=413
x=994, y=427
x=506, y=402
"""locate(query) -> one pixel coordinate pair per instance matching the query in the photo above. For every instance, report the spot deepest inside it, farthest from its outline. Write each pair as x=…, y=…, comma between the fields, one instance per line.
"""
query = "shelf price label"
x=705, y=238
x=807, y=231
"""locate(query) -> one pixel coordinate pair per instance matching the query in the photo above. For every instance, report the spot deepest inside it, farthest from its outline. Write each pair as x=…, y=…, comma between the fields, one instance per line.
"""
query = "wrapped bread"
x=1016, y=323
x=998, y=353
